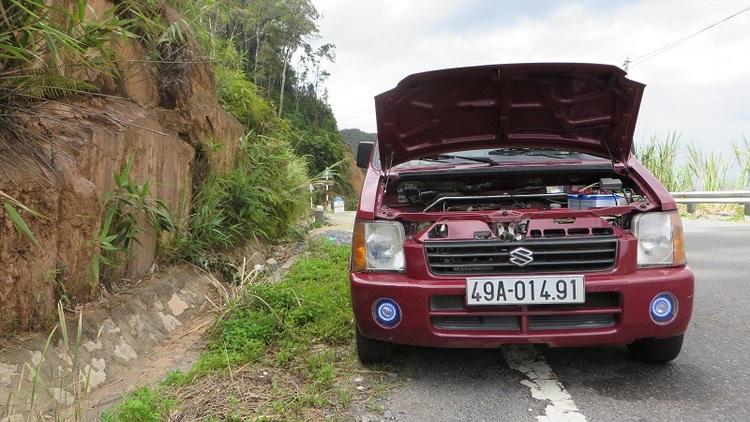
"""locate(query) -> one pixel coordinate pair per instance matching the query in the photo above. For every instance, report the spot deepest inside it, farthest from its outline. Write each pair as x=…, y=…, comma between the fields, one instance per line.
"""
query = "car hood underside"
x=589, y=108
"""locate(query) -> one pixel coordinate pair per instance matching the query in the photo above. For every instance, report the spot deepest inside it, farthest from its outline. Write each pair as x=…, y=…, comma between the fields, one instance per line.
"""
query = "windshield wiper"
x=461, y=157
x=526, y=152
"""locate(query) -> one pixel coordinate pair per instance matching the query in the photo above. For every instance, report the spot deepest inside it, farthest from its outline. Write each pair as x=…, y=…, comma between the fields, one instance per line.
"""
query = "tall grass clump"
x=263, y=198
x=659, y=156
x=742, y=154
x=241, y=99
x=711, y=171
x=124, y=209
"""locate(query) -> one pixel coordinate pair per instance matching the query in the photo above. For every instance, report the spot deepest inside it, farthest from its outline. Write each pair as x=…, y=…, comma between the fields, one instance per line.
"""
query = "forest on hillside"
x=354, y=136
x=266, y=48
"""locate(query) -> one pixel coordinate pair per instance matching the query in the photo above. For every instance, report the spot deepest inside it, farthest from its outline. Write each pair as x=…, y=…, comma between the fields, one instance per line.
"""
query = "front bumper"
x=434, y=312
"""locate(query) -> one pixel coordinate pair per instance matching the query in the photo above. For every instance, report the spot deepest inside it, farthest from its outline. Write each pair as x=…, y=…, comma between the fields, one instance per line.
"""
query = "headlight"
x=660, y=241
x=378, y=246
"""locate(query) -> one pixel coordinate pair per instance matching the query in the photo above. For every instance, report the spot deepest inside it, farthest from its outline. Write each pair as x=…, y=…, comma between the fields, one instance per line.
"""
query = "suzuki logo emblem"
x=521, y=257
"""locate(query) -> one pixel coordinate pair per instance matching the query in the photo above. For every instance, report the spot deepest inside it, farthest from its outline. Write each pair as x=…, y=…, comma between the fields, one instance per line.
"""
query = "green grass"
x=702, y=170
x=262, y=197
x=289, y=343
x=659, y=156
x=144, y=405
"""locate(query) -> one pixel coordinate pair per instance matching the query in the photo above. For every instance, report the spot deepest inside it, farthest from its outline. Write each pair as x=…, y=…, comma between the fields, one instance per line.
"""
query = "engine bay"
x=514, y=207
x=509, y=193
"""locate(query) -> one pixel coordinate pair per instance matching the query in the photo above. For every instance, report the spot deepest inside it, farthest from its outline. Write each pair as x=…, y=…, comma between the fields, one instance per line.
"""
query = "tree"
x=297, y=24
x=264, y=13
x=325, y=51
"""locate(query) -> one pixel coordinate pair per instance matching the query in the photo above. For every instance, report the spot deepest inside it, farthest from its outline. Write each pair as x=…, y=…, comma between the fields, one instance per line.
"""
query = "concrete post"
x=319, y=218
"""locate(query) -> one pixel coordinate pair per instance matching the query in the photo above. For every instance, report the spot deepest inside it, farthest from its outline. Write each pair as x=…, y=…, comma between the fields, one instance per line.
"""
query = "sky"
x=699, y=89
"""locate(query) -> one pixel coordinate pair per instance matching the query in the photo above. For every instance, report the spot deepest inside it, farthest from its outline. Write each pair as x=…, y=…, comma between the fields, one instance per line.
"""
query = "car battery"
x=585, y=201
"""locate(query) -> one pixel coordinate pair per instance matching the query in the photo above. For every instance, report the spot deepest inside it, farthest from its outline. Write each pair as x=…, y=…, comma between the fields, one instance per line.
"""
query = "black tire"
x=372, y=351
x=654, y=350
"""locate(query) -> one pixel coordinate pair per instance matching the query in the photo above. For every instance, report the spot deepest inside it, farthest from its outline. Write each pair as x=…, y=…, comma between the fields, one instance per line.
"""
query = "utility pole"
x=626, y=64
x=327, y=175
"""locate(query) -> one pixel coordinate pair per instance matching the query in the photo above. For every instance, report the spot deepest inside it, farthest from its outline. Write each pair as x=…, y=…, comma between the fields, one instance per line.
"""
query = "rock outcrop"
x=157, y=116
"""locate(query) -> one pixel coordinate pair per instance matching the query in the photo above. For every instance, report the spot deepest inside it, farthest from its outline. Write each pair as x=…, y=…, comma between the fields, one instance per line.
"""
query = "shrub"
x=263, y=197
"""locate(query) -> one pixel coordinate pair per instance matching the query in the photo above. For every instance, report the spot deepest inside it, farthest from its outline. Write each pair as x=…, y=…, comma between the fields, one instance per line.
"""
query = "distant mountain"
x=354, y=136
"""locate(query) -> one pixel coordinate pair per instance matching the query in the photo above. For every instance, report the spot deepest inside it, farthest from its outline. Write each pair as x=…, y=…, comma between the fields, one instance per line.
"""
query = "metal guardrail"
x=713, y=197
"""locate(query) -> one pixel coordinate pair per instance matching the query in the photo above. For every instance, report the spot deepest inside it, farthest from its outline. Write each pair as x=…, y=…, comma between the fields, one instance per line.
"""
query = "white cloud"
x=699, y=88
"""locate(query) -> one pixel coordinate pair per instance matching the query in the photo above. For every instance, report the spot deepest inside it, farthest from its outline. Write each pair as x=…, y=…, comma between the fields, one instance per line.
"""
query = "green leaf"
x=18, y=222
x=93, y=270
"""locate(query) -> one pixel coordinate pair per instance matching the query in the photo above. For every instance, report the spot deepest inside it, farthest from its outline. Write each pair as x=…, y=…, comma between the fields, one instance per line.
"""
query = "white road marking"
x=543, y=384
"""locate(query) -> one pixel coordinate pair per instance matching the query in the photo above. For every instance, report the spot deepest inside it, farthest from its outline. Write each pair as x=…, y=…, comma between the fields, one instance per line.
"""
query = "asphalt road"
x=709, y=381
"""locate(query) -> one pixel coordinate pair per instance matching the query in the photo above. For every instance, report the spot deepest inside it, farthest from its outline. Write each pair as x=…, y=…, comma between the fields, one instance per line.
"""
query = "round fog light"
x=386, y=312
x=663, y=308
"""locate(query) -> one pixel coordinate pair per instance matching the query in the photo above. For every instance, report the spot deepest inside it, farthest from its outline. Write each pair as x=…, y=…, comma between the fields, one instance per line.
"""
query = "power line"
x=631, y=63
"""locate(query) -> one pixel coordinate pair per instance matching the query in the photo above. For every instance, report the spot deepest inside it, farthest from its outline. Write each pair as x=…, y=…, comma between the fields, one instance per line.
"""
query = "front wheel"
x=654, y=350
x=372, y=351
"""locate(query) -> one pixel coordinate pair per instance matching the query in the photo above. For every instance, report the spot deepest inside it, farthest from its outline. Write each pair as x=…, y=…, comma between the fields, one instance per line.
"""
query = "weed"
x=72, y=383
x=10, y=204
x=56, y=277
x=144, y=405
x=176, y=379
x=120, y=224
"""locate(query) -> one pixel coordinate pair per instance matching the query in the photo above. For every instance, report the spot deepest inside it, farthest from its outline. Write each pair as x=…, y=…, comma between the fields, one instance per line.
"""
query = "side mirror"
x=364, y=150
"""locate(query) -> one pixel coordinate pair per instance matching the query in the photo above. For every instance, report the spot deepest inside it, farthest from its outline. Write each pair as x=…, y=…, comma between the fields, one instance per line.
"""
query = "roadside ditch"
x=131, y=338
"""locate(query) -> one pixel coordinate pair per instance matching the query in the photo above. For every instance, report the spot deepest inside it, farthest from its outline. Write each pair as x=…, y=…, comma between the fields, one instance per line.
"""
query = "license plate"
x=525, y=291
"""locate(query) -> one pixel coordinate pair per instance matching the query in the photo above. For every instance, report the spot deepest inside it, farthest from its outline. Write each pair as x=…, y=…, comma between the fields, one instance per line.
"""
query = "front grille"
x=497, y=323
x=568, y=322
x=601, y=310
x=492, y=257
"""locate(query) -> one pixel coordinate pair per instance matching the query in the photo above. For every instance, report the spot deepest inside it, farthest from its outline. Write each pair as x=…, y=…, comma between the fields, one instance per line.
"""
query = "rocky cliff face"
x=160, y=118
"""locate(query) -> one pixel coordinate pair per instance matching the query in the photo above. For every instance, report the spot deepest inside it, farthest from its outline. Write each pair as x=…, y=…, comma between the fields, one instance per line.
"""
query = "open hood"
x=590, y=108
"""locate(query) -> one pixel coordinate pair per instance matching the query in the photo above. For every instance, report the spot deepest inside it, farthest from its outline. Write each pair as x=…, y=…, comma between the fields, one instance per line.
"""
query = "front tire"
x=372, y=351
x=654, y=350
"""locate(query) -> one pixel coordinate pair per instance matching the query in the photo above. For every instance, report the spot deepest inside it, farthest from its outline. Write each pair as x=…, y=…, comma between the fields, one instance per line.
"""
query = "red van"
x=502, y=204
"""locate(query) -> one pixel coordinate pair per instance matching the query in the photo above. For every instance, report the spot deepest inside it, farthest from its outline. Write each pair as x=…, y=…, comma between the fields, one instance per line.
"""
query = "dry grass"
x=268, y=393
x=715, y=211
x=244, y=393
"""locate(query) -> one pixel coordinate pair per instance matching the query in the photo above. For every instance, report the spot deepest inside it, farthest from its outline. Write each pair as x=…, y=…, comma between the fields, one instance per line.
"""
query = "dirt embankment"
x=157, y=116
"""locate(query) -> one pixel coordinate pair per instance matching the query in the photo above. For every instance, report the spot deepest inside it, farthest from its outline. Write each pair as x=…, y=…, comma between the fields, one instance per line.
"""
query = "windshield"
x=498, y=156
